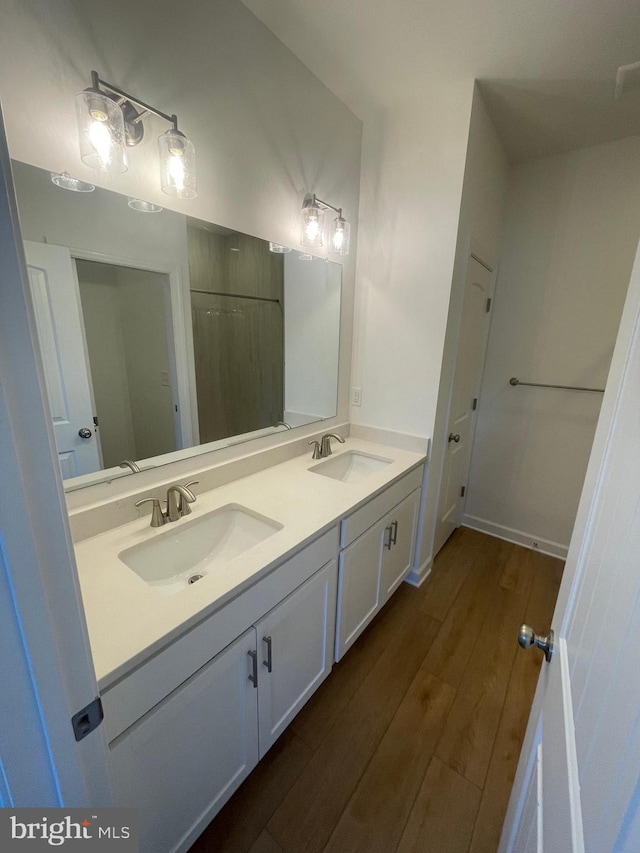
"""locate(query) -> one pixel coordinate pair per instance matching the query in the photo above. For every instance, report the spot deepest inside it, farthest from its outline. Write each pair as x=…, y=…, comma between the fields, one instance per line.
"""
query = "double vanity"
x=209, y=633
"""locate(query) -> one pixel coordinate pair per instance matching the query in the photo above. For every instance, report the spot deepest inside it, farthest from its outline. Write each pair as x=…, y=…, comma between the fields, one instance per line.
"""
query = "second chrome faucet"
x=322, y=448
x=178, y=500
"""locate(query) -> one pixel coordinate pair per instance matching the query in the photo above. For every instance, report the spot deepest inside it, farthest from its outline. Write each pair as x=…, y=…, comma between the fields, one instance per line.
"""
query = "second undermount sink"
x=184, y=552
x=350, y=466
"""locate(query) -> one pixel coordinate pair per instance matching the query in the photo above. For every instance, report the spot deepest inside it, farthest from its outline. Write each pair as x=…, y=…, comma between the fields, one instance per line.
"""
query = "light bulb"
x=101, y=132
x=340, y=237
x=312, y=222
x=176, y=171
x=100, y=138
x=177, y=165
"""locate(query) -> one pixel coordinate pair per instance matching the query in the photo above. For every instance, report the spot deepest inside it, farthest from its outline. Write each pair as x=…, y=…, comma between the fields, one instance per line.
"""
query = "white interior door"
x=58, y=315
x=45, y=658
x=577, y=785
x=474, y=329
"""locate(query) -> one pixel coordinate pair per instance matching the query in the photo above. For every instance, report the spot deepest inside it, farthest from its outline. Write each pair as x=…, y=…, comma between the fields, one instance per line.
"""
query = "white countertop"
x=128, y=620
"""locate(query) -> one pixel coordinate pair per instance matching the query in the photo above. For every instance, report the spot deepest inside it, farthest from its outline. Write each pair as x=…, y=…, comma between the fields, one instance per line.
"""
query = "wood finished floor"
x=411, y=744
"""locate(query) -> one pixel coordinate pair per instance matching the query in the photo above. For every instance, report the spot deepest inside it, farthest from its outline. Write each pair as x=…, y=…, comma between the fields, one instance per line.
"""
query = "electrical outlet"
x=356, y=396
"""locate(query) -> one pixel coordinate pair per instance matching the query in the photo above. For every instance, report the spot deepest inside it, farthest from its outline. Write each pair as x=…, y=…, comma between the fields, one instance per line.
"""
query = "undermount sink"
x=350, y=466
x=184, y=552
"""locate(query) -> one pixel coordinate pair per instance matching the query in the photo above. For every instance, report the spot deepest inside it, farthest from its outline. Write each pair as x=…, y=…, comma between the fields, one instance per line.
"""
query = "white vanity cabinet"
x=182, y=759
x=378, y=547
x=296, y=642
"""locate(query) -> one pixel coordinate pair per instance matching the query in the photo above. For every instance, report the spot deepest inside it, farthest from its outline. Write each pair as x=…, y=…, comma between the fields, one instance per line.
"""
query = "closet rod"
x=235, y=295
x=514, y=381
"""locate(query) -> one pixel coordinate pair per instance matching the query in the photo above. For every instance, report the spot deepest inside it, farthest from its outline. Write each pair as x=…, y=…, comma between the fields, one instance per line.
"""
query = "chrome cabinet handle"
x=269, y=661
x=394, y=533
x=253, y=678
x=453, y=437
x=527, y=638
x=389, y=542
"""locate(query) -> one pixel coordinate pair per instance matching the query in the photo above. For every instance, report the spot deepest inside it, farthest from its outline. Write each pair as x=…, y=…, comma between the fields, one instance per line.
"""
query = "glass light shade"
x=278, y=248
x=74, y=185
x=143, y=206
x=312, y=226
x=340, y=236
x=177, y=165
x=101, y=132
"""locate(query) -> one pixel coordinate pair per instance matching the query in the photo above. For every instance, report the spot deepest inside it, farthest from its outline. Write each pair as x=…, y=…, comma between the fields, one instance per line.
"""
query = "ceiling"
x=547, y=68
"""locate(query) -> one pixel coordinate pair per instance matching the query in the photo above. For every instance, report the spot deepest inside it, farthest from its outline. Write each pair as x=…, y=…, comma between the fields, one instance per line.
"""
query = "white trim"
x=45, y=658
x=518, y=537
x=418, y=576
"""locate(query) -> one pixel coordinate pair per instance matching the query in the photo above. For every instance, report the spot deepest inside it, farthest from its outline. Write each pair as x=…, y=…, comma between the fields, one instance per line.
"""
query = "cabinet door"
x=398, y=559
x=359, y=586
x=295, y=645
x=180, y=762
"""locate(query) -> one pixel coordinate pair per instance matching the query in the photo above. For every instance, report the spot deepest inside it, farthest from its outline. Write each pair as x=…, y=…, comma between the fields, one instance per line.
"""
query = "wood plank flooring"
x=411, y=744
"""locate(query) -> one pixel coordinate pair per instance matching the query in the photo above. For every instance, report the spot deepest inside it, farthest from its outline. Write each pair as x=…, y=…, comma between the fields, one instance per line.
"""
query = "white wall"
x=412, y=172
x=310, y=338
x=571, y=230
x=481, y=224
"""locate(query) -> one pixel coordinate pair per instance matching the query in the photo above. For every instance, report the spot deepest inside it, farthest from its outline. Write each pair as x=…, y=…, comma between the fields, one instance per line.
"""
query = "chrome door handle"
x=85, y=432
x=269, y=661
x=394, y=533
x=453, y=437
x=253, y=678
x=527, y=638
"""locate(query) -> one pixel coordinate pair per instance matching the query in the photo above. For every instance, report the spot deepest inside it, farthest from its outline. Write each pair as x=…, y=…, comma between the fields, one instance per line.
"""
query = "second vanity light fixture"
x=313, y=228
x=110, y=120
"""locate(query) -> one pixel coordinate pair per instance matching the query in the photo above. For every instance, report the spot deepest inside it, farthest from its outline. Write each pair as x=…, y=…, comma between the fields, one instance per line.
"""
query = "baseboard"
x=418, y=576
x=518, y=537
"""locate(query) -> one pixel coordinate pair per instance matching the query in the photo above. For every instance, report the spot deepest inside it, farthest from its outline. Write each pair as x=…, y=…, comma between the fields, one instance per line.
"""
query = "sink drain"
x=194, y=578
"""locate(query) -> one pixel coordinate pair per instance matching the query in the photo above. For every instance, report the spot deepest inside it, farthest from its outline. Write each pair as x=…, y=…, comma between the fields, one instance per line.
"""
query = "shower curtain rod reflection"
x=235, y=295
x=514, y=381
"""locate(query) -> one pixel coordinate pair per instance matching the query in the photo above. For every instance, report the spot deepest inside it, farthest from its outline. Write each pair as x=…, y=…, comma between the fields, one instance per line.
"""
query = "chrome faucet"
x=322, y=448
x=133, y=466
x=178, y=500
x=325, y=446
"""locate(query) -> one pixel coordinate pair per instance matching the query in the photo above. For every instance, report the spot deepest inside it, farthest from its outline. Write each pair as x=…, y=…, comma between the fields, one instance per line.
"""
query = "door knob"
x=453, y=437
x=527, y=637
x=85, y=432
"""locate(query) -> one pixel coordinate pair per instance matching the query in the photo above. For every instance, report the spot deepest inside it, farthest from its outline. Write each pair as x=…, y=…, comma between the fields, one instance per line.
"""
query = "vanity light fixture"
x=313, y=210
x=110, y=120
x=64, y=180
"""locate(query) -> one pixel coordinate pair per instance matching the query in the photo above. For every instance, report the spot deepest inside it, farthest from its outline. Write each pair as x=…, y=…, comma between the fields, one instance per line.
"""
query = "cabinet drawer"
x=362, y=519
x=139, y=691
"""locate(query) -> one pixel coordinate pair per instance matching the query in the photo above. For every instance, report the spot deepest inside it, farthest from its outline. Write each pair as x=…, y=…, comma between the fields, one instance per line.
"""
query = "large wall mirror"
x=163, y=336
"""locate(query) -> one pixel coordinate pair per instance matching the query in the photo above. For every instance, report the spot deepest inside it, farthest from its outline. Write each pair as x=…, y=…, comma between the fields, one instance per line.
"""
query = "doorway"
x=564, y=270
x=126, y=315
